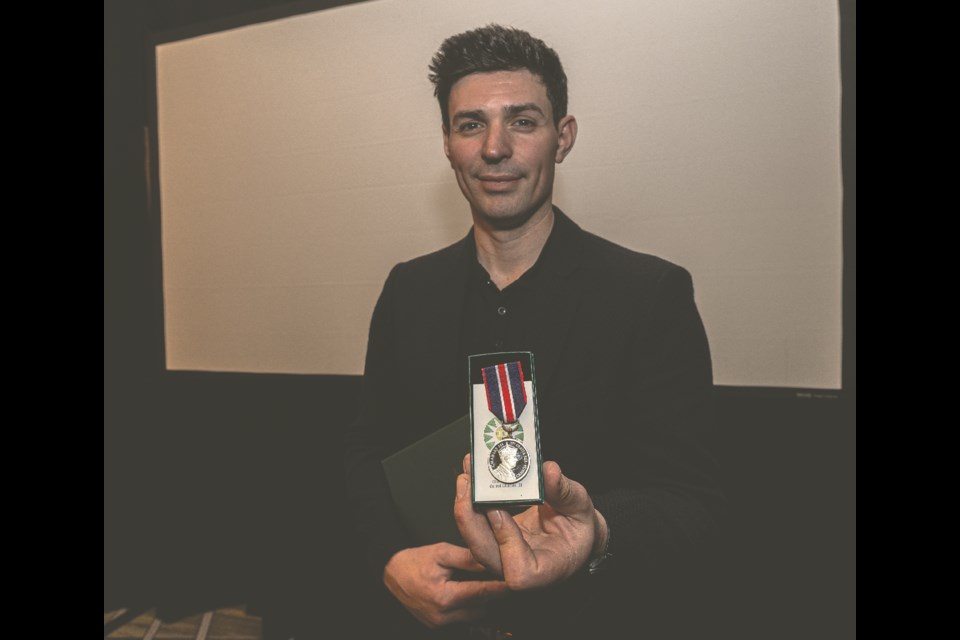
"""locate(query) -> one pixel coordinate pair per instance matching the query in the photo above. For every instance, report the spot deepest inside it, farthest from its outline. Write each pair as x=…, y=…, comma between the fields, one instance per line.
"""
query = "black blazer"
x=624, y=389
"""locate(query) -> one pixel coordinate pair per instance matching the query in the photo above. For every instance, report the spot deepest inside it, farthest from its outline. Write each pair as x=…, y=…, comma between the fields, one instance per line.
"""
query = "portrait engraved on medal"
x=509, y=461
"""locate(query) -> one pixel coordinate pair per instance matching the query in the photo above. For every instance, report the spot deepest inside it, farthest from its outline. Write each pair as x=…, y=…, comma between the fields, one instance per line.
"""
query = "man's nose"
x=496, y=144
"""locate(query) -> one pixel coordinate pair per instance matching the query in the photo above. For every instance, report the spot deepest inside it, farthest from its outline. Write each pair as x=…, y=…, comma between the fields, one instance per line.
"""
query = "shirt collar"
x=558, y=256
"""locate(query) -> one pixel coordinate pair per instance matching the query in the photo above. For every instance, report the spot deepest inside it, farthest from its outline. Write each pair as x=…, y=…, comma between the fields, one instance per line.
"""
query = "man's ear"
x=446, y=141
x=567, y=130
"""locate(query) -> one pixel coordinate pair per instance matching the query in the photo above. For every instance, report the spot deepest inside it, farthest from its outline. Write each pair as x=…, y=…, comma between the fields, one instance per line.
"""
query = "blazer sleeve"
x=666, y=512
x=651, y=477
x=367, y=440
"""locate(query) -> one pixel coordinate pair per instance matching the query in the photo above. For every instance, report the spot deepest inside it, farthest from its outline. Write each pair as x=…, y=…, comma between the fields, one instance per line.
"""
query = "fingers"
x=419, y=578
x=453, y=557
x=517, y=558
x=464, y=601
x=474, y=527
x=466, y=464
x=475, y=592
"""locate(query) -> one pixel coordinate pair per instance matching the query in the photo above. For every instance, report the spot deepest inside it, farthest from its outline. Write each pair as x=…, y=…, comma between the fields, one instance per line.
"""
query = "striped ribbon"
x=506, y=395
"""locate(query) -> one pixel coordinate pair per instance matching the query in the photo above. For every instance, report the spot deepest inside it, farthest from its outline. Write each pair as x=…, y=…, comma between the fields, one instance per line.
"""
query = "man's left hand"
x=545, y=544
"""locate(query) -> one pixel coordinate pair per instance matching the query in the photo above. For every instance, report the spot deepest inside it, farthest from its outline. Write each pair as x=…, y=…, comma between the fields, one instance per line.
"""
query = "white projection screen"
x=301, y=158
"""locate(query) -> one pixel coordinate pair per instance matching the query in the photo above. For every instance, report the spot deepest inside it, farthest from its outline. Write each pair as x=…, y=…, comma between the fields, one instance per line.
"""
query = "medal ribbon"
x=506, y=395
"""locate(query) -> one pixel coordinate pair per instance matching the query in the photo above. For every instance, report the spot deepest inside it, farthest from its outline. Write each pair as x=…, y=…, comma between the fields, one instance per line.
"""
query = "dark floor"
x=232, y=623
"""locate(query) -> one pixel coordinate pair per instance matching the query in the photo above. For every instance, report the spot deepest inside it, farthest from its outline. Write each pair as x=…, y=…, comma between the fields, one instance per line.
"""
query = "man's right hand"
x=420, y=579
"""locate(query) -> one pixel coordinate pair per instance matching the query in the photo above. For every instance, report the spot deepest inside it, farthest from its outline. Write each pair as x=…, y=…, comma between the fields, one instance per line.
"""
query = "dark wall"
x=225, y=488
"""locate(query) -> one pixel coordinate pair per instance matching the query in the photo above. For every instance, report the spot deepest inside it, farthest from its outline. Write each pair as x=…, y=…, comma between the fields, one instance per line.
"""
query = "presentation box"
x=506, y=465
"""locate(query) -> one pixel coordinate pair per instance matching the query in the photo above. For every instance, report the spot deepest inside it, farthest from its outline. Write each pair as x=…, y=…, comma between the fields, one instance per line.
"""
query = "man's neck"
x=506, y=254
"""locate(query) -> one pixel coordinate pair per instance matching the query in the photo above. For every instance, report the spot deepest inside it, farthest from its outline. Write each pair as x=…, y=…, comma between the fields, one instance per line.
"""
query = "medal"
x=508, y=461
x=506, y=398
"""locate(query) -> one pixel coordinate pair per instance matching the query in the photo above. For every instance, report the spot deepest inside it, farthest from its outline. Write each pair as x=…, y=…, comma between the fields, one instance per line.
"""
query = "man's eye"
x=524, y=123
x=467, y=127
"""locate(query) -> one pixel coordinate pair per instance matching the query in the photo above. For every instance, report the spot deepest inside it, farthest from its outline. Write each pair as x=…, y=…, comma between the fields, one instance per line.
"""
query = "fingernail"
x=497, y=519
x=461, y=486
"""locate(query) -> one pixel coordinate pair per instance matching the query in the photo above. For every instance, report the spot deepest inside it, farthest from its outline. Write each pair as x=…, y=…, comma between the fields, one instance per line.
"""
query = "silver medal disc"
x=508, y=461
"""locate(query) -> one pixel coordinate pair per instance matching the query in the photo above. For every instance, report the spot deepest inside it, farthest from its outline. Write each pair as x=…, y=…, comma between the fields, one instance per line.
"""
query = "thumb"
x=516, y=556
x=564, y=495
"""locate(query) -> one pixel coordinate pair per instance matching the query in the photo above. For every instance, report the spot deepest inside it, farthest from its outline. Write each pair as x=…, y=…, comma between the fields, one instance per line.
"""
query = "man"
x=623, y=373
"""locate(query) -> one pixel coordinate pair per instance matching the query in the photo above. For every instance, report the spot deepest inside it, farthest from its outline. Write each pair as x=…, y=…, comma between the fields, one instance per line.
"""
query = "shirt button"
x=498, y=344
x=502, y=311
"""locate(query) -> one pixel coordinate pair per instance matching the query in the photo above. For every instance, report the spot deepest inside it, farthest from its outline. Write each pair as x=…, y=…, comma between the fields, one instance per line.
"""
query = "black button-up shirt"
x=496, y=320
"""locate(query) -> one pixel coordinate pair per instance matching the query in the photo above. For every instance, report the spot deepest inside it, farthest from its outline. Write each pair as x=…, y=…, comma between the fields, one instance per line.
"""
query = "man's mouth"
x=498, y=182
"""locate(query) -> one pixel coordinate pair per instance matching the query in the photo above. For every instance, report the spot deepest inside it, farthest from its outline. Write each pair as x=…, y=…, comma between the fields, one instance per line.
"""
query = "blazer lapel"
x=441, y=320
x=555, y=313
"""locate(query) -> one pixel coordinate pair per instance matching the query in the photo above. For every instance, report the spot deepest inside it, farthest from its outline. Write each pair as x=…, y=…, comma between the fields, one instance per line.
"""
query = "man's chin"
x=506, y=220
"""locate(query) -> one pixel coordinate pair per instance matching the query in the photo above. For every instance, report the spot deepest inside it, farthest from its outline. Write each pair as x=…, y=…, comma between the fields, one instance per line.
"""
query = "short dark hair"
x=497, y=48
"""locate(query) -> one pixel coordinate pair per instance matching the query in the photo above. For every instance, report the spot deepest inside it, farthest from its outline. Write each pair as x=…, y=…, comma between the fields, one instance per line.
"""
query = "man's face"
x=503, y=145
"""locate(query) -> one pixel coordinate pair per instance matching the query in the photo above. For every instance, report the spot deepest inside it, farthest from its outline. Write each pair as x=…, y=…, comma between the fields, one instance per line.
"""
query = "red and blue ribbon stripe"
x=506, y=395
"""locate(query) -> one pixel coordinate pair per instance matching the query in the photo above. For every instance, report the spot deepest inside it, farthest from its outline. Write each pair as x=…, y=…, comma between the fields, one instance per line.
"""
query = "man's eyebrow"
x=475, y=114
x=514, y=109
x=509, y=110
